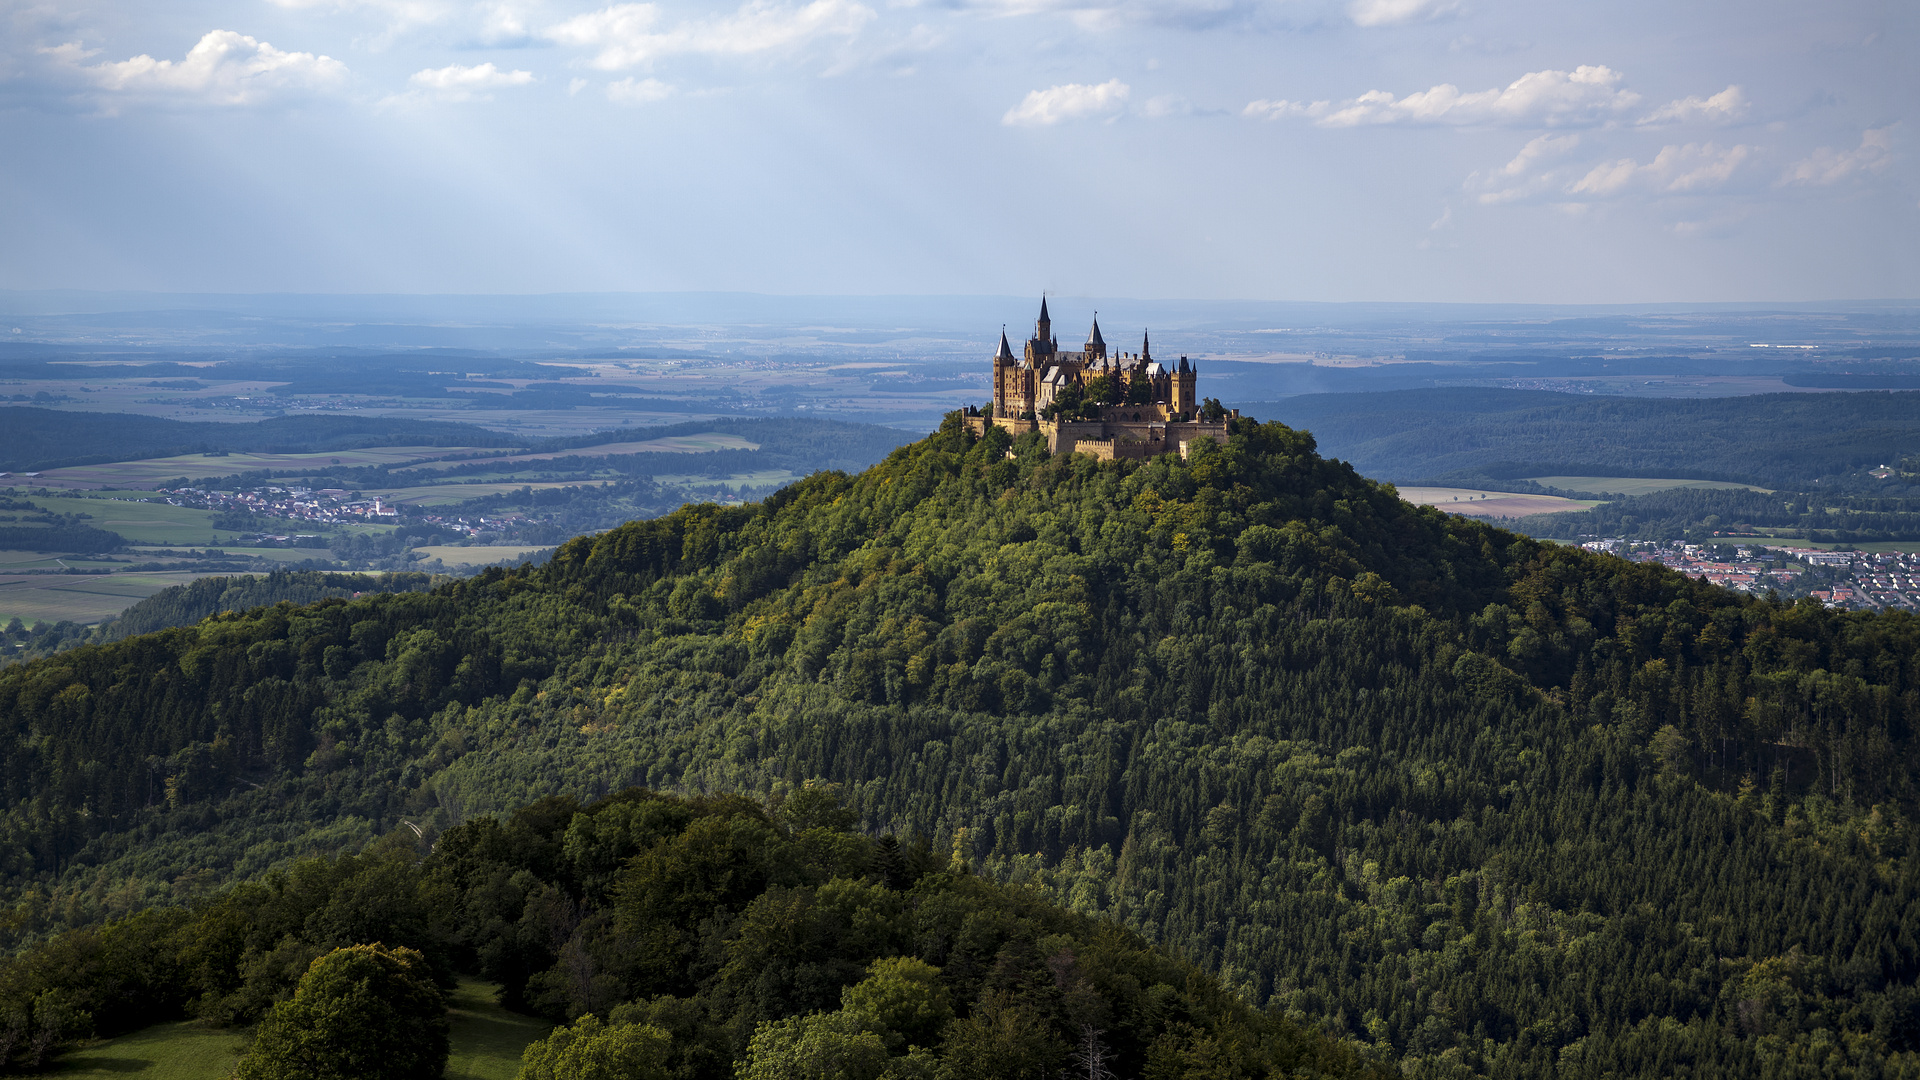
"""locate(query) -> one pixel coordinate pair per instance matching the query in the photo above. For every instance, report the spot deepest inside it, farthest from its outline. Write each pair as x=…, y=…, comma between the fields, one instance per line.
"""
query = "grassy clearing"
x=487, y=1039
x=1631, y=485
x=1498, y=504
x=183, y=1051
x=199, y=466
x=487, y=1043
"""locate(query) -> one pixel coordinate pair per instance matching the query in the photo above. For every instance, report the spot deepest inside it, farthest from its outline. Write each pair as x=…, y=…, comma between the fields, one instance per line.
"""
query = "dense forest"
x=184, y=605
x=698, y=939
x=1469, y=434
x=1492, y=806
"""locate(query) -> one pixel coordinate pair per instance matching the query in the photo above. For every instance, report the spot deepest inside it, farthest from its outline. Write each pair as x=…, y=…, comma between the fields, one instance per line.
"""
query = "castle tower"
x=1043, y=328
x=1096, y=345
x=1182, y=400
x=1004, y=364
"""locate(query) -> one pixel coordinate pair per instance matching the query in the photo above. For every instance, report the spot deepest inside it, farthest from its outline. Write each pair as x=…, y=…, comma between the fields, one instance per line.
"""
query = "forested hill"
x=1482, y=433
x=33, y=439
x=1492, y=806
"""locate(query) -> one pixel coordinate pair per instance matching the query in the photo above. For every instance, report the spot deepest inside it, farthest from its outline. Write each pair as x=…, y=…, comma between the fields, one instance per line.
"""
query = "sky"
x=1548, y=151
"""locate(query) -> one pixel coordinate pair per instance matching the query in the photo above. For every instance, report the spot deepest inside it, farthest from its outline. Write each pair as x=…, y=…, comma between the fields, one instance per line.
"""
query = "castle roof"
x=1094, y=338
x=1006, y=351
x=1146, y=353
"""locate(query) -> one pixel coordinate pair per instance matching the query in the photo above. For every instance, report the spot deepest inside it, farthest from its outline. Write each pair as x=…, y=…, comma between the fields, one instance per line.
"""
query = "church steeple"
x=1043, y=329
x=1146, y=350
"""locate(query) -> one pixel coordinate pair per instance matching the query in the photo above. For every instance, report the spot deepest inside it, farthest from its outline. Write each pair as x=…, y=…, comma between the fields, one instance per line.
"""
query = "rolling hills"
x=1490, y=806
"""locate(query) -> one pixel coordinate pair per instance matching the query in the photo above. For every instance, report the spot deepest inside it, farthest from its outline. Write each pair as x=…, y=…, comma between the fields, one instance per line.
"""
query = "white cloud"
x=1679, y=169
x=223, y=68
x=1829, y=166
x=1520, y=177
x=638, y=91
x=1587, y=95
x=1071, y=101
x=1390, y=12
x=629, y=35
x=1166, y=105
x=458, y=82
x=1724, y=107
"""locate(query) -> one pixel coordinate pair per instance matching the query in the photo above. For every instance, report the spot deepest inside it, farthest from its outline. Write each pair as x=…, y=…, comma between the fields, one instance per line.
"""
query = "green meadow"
x=486, y=1044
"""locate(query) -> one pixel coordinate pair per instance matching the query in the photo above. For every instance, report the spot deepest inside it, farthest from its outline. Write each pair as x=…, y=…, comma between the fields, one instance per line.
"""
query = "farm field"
x=144, y=523
x=682, y=444
x=1632, y=485
x=1495, y=504
x=448, y=494
x=40, y=560
x=34, y=598
x=453, y=555
x=758, y=479
x=152, y=471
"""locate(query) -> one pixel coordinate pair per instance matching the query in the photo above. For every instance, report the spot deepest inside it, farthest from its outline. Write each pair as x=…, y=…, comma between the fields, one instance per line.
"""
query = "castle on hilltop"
x=1120, y=405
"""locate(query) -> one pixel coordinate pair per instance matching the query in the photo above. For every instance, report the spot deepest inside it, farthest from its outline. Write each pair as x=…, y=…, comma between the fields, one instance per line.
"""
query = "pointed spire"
x=1043, y=308
x=1006, y=351
x=1043, y=329
x=1183, y=364
x=1146, y=353
x=1093, y=337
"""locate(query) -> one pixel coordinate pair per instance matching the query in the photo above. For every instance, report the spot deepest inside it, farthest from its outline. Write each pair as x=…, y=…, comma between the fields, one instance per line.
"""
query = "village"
x=325, y=506
x=1855, y=580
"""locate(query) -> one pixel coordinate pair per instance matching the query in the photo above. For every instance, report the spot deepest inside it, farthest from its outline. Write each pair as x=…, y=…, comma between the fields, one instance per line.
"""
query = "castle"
x=1124, y=405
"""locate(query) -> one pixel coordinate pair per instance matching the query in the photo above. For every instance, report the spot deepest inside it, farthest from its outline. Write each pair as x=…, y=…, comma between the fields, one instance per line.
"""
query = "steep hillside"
x=1494, y=806
x=687, y=939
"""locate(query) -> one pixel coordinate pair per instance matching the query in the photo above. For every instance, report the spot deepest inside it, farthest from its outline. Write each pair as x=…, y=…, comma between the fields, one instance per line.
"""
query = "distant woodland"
x=1473, y=804
x=1464, y=434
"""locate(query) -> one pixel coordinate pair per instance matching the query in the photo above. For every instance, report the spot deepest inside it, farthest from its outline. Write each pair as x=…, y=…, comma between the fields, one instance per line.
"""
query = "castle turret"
x=1182, y=401
x=1004, y=362
x=1096, y=345
x=1043, y=329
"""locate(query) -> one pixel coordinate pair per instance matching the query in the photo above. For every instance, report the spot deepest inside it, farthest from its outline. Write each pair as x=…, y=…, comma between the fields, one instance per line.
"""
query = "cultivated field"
x=1494, y=504
x=478, y=556
x=153, y=471
x=683, y=444
x=89, y=598
x=448, y=494
x=1630, y=485
x=141, y=522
